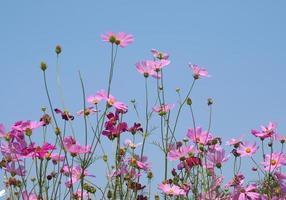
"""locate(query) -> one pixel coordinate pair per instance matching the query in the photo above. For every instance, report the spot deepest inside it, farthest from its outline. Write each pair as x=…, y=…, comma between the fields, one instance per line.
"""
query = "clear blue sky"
x=241, y=43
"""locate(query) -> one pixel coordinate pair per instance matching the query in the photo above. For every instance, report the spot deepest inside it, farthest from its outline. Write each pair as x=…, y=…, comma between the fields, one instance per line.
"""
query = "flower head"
x=274, y=161
x=173, y=190
x=198, y=72
x=74, y=148
x=159, y=55
x=247, y=149
x=266, y=131
x=163, y=109
x=122, y=39
x=145, y=68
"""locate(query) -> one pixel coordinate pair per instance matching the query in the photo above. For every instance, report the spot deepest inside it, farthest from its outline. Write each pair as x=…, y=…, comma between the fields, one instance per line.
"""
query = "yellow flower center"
x=110, y=101
x=247, y=150
x=171, y=191
x=273, y=162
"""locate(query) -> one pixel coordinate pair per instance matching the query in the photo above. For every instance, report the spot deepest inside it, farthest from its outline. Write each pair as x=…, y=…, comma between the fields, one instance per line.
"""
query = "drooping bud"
x=43, y=66
x=210, y=101
x=189, y=101
x=58, y=49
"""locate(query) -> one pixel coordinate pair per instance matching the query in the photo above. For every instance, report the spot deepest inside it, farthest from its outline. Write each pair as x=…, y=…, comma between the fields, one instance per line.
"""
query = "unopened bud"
x=58, y=49
x=57, y=131
x=43, y=66
x=210, y=101
x=189, y=101
x=109, y=194
x=105, y=158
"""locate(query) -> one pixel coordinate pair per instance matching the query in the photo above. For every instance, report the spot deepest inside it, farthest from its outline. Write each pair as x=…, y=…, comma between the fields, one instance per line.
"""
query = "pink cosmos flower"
x=145, y=68
x=121, y=38
x=74, y=148
x=266, y=131
x=274, y=161
x=180, y=152
x=13, y=170
x=159, y=55
x=29, y=196
x=250, y=192
x=199, y=136
x=26, y=125
x=100, y=95
x=74, y=173
x=86, y=111
x=77, y=195
x=159, y=64
x=129, y=144
x=281, y=138
x=56, y=157
x=65, y=114
x=143, y=163
x=218, y=158
x=42, y=151
x=247, y=149
x=198, y=72
x=234, y=142
x=173, y=190
x=163, y=109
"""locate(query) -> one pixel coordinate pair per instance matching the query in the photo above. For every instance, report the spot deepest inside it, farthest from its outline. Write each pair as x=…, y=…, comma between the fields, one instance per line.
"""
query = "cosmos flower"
x=159, y=55
x=180, y=152
x=163, y=109
x=247, y=149
x=74, y=148
x=65, y=114
x=145, y=68
x=173, y=190
x=266, y=131
x=274, y=161
x=122, y=39
x=198, y=72
x=87, y=111
x=199, y=136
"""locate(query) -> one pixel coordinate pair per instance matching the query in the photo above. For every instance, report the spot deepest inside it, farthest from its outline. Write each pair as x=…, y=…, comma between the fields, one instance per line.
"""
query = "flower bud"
x=109, y=194
x=58, y=49
x=105, y=158
x=57, y=131
x=43, y=66
x=150, y=175
x=157, y=197
x=210, y=101
x=189, y=101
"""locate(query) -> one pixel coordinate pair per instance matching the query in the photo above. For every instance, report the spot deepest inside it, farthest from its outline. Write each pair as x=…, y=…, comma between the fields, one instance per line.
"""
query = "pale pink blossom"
x=159, y=64
x=198, y=71
x=245, y=193
x=159, y=55
x=274, y=161
x=122, y=39
x=100, y=95
x=163, y=109
x=234, y=142
x=87, y=111
x=247, y=149
x=74, y=148
x=217, y=158
x=29, y=196
x=2, y=131
x=199, y=136
x=181, y=152
x=145, y=68
x=74, y=174
x=173, y=190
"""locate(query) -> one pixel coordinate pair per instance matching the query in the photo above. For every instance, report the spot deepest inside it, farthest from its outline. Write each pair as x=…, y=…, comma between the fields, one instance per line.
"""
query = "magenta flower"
x=26, y=126
x=274, y=161
x=135, y=128
x=121, y=38
x=159, y=55
x=42, y=151
x=65, y=114
x=173, y=190
x=266, y=131
x=180, y=152
x=199, y=136
x=163, y=109
x=198, y=72
x=86, y=111
x=74, y=148
x=145, y=68
x=247, y=149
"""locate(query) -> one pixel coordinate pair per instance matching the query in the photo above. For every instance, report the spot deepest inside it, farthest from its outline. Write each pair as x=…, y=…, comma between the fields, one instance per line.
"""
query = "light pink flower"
x=159, y=55
x=235, y=142
x=13, y=170
x=74, y=148
x=116, y=104
x=247, y=149
x=198, y=72
x=173, y=190
x=26, y=125
x=274, y=161
x=29, y=196
x=180, y=152
x=159, y=64
x=281, y=138
x=129, y=144
x=121, y=38
x=145, y=68
x=2, y=131
x=266, y=131
x=217, y=158
x=163, y=109
x=87, y=111
x=199, y=136
x=100, y=95
x=250, y=192
x=74, y=173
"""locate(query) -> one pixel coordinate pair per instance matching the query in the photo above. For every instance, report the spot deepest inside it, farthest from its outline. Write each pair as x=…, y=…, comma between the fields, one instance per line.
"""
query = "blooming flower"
x=159, y=55
x=11, y=168
x=100, y=95
x=74, y=173
x=250, y=192
x=129, y=144
x=2, y=131
x=266, y=131
x=281, y=138
x=122, y=39
x=173, y=190
x=163, y=109
x=135, y=128
x=234, y=142
x=199, y=136
x=42, y=151
x=159, y=64
x=145, y=68
x=217, y=158
x=74, y=148
x=274, y=161
x=247, y=149
x=65, y=114
x=86, y=111
x=29, y=196
x=198, y=72
x=180, y=152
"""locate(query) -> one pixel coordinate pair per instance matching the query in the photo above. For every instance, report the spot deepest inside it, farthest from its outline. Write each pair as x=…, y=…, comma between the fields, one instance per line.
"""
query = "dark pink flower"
x=135, y=128
x=198, y=72
x=122, y=39
x=74, y=148
x=42, y=151
x=266, y=131
x=65, y=114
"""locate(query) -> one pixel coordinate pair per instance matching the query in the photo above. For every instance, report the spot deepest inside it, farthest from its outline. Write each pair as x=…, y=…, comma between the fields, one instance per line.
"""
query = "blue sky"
x=241, y=43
